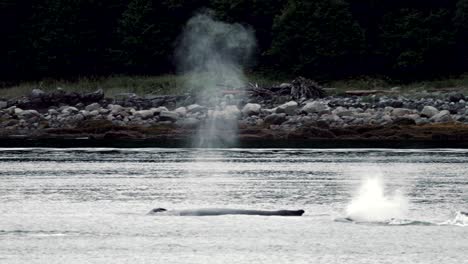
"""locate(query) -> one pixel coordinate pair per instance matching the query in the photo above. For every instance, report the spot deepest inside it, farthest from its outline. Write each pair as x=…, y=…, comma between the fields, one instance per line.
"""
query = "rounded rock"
x=251, y=109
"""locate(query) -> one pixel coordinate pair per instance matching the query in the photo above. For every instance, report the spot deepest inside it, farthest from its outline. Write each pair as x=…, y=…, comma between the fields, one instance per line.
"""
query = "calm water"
x=90, y=205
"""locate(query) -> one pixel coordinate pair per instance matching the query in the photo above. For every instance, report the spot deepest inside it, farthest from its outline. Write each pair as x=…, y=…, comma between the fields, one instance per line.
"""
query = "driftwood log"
x=299, y=88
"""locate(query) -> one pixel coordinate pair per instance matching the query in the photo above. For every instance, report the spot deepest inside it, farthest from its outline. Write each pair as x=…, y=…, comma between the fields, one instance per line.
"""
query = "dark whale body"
x=225, y=211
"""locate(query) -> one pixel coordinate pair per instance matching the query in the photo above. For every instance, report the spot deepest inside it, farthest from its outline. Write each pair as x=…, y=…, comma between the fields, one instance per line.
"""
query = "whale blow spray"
x=371, y=204
x=211, y=55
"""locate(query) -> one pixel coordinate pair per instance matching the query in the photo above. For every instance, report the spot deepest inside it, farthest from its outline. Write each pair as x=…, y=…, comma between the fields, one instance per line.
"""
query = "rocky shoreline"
x=433, y=117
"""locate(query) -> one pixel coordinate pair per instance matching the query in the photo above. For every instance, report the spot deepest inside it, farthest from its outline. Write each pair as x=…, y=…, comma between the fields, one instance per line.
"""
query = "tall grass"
x=177, y=85
x=368, y=83
x=120, y=84
x=112, y=86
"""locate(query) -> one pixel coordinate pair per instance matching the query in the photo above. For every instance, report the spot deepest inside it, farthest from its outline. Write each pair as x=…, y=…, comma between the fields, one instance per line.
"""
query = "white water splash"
x=460, y=219
x=371, y=204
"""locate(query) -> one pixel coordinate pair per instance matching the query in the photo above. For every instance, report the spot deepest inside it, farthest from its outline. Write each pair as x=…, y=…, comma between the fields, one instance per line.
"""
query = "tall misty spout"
x=211, y=55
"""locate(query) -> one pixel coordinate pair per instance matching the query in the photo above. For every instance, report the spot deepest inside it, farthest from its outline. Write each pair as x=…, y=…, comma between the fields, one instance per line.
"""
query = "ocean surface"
x=362, y=205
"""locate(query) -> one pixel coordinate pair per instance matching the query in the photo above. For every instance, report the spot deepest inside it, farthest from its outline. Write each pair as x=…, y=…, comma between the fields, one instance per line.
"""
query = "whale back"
x=225, y=211
x=291, y=212
x=157, y=210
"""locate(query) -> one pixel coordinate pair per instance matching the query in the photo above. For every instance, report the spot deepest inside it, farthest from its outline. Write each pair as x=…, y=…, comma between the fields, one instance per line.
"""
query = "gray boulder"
x=315, y=107
x=3, y=104
x=194, y=108
x=388, y=109
x=30, y=116
x=330, y=118
x=144, y=114
x=442, y=117
x=182, y=111
x=229, y=113
x=17, y=111
x=85, y=113
x=92, y=107
x=414, y=116
x=168, y=116
x=160, y=109
x=37, y=93
x=385, y=119
x=429, y=111
x=251, y=109
x=115, y=109
x=341, y=111
x=289, y=108
x=28, y=113
x=94, y=113
x=103, y=111
x=70, y=110
x=400, y=112
x=232, y=112
x=53, y=112
x=275, y=119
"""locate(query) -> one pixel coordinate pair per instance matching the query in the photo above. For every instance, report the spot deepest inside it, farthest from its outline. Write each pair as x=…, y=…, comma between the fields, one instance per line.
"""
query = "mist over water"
x=372, y=204
x=211, y=55
x=219, y=129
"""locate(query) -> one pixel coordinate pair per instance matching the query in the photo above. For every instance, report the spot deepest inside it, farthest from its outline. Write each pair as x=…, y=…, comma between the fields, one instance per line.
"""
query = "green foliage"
x=257, y=13
x=63, y=37
x=147, y=31
x=461, y=16
x=12, y=15
x=415, y=42
x=318, y=38
x=138, y=34
x=460, y=21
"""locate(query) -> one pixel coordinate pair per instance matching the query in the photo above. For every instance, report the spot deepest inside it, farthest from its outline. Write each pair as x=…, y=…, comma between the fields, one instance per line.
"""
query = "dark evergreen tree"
x=259, y=14
x=317, y=38
x=461, y=30
x=147, y=33
x=67, y=37
x=13, y=13
x=139, y=36
x=417, y=42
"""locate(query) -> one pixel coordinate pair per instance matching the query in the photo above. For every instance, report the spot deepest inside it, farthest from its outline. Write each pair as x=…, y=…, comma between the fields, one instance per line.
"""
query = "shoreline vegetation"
x=171, y=84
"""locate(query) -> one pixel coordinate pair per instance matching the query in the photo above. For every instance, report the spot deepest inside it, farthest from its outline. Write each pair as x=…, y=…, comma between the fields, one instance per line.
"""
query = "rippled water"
x=90, y=205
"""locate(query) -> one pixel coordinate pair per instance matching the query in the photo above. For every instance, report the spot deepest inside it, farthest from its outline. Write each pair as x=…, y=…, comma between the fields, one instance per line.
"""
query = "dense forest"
x=321, y=39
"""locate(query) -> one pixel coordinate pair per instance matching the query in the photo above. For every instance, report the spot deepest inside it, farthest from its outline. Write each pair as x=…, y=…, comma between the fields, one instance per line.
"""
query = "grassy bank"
x=115, y=85
x=459, y=83
x=174, y=84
